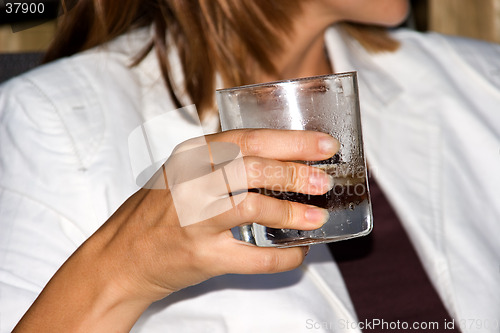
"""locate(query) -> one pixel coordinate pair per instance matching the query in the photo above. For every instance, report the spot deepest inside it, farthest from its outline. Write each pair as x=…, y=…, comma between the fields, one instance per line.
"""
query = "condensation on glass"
x=327, y=104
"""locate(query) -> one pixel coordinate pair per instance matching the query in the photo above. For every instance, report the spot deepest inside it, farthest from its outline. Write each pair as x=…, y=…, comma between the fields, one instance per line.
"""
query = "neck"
x=303, y=51
x=308, y=58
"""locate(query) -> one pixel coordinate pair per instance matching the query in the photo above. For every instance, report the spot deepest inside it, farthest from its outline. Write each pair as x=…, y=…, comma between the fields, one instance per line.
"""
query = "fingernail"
x=328, y=145
x=307, y=249
x=321, y=181
x=317, y=216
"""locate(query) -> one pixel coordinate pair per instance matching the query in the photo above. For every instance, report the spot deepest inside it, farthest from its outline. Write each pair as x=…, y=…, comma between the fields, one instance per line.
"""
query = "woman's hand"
x=143, y=252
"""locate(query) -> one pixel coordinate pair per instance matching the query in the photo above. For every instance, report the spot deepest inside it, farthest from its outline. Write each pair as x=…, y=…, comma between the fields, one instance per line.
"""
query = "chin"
x=396, y=21
x=387, y=13
x=396, y=13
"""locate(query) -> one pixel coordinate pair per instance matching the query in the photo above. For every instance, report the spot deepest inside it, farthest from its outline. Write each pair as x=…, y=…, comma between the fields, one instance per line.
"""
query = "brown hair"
x=228, y=37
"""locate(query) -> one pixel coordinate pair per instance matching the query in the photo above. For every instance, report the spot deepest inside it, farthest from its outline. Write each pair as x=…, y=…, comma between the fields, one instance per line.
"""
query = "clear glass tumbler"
x=327, y=104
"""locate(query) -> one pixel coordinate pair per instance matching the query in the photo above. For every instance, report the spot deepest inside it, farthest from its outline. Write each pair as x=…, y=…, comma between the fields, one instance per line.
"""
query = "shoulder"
x=64, y=125
x=42, y=104
x=70, y=95
x=441, y=42
x=60, y=112
x=81, y=74
x=443, y=53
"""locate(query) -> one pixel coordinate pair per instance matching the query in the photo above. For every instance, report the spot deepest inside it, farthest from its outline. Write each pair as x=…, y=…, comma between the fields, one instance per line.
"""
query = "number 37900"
x=24, y=8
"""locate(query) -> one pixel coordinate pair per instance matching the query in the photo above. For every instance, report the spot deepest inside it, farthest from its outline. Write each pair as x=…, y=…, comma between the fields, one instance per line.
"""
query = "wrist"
x=87, y=294
x=114, y=300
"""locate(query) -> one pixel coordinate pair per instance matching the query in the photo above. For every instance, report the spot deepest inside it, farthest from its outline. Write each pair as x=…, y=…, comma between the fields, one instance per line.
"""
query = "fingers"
x=281, y=144
x=273, y=213
x=286, y=176
x=275, y=177
x=261, y=260
x=272, y=175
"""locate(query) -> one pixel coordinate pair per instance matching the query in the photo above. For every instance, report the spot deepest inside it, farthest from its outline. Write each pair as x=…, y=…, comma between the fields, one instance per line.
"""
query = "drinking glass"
x=326, y=104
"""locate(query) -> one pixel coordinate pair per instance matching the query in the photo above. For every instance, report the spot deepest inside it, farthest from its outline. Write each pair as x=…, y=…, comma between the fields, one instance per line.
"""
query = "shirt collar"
x=346, y=54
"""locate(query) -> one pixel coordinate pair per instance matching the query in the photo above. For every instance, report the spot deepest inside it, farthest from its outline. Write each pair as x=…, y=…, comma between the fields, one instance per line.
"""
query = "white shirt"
x=431, y=126
x=65, y=168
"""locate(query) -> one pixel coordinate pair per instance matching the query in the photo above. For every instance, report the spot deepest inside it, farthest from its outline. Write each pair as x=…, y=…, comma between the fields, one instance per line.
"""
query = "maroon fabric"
x=384, y=276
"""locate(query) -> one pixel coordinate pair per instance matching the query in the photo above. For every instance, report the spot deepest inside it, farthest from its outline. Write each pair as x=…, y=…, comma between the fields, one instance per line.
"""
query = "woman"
x=68, y=171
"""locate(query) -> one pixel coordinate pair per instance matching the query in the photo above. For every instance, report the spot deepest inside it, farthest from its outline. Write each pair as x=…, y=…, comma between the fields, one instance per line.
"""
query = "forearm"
x=84, y=296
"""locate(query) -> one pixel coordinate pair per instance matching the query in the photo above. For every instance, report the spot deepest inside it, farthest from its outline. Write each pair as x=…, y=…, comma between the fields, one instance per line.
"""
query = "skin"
x=304, y=51
x=143, y=254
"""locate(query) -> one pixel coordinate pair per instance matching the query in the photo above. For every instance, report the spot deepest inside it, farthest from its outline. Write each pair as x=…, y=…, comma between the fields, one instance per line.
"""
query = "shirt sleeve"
x=35, y=165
